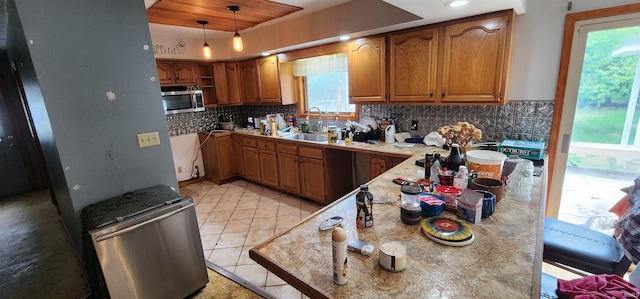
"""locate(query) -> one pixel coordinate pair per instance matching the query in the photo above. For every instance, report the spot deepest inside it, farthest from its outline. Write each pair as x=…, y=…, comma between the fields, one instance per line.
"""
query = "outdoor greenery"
x=605, y=76
x=603, y=96
x=588, y=121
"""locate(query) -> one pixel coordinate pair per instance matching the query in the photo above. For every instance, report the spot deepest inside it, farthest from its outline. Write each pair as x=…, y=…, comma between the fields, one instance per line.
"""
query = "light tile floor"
x=235, y=217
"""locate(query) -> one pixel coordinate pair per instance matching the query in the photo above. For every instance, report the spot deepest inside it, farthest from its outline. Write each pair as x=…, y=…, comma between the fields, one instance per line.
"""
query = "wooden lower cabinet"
x=238, y=161
x=251, y=163
x=379, y=164
x=218, y=158
x=268, y=167
x=288, y=168
x=312, y=182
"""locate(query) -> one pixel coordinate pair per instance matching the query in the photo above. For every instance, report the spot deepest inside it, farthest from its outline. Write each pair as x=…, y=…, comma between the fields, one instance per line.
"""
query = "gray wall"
x=81, y=50
x=538, y=45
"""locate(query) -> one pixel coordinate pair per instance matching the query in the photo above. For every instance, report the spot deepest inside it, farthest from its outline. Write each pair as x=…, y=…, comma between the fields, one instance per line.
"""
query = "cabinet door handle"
x=431, y=95
x=443, y=94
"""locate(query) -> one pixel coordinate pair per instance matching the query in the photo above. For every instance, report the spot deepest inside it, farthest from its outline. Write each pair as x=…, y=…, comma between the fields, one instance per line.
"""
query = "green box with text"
x=532, y=150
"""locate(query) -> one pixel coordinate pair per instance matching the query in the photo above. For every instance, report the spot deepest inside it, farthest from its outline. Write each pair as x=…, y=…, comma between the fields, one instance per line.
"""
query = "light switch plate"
x=148, y=139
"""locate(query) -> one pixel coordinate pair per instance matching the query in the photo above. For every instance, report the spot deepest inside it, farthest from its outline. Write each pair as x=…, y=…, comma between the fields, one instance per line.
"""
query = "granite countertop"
x=401, y=149
x=503, y=261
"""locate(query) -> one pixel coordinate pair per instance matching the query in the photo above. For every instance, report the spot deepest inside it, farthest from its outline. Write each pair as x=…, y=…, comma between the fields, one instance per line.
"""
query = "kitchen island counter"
x=504, y=260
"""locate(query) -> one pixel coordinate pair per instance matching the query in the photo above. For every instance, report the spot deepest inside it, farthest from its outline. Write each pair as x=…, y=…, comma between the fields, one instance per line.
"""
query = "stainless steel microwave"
x=178, y=101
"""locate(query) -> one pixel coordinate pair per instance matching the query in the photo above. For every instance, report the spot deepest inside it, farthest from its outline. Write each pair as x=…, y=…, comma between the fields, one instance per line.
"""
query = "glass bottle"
x=364, y=203
x=454, y=159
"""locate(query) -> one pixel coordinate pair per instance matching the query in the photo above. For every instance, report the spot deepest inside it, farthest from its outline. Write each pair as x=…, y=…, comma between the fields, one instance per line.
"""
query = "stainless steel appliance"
x=148, y=244
x=182, y=99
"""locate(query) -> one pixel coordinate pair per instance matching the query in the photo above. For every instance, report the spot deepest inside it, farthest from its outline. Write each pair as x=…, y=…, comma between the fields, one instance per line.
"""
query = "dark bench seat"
x=584, y=249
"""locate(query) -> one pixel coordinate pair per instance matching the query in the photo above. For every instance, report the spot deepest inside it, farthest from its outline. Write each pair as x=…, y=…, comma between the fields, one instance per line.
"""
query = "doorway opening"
x=595, y=135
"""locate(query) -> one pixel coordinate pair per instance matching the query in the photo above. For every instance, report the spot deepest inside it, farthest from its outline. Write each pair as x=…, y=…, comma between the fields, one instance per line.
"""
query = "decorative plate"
x=446, y=229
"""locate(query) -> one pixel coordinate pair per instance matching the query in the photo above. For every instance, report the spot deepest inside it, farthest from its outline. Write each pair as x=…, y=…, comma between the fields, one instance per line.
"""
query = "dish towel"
x=603, y=286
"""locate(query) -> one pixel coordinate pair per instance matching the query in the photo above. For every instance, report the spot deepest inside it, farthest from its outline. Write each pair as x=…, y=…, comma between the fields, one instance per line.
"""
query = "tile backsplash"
x=526, y=120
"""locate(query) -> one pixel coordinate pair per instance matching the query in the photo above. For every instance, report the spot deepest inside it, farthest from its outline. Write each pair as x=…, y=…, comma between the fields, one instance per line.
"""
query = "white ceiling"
x=431, y=11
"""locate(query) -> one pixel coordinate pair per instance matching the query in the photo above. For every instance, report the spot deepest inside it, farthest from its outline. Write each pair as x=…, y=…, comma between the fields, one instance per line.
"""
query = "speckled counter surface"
x=502, y=262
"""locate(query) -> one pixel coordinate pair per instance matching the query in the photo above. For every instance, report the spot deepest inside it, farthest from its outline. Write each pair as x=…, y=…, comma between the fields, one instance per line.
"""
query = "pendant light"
x=237, y=40
x=205, y=48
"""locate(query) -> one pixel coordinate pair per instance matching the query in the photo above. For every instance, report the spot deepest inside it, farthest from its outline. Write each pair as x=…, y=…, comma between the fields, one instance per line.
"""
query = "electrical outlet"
x=148, y=139
x=414, y=125
x=179, y=169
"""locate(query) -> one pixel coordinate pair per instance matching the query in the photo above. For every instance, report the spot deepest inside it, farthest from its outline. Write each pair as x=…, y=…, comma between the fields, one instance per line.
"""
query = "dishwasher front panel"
x=157, y=254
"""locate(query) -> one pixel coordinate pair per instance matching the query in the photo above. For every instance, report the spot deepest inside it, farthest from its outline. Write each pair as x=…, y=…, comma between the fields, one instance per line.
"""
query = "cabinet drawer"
x=288, y=149
x=266, y=145
x=249, y=142
x=311, y=152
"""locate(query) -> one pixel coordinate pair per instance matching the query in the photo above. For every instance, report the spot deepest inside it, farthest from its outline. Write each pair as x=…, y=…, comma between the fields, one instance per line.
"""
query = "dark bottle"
x=454, y=159
x=436, y=166
x=428, y=159
x=364, y=203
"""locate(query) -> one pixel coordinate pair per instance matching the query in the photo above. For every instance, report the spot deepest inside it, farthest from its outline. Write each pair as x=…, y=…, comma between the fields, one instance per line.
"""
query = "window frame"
x=300, y=82
x=301, y=90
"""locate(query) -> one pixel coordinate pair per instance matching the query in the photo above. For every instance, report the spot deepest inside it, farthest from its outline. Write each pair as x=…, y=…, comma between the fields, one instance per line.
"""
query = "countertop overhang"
x=504, y=261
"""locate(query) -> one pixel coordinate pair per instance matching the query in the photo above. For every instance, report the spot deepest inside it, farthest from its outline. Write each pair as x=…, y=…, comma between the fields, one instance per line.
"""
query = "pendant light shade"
x=206, y=50
x=237, y=40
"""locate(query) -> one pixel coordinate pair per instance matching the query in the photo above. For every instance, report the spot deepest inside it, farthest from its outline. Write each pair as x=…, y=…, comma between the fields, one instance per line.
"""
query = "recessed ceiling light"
x=344, y=38
x=266, y=53
x=456, y=3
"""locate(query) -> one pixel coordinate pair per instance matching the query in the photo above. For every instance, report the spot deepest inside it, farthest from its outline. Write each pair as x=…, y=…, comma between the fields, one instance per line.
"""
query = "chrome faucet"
x=319, y=119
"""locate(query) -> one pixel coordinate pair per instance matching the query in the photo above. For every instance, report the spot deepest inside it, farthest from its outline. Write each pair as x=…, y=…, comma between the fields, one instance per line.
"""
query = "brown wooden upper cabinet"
x=220, y=77
x=476, y=60
x=233, y=82
x=461, y=61
x=268, y=79
x=176, y=73
x=249, y=79
x=367, y=70
x=413, y=66
x=227, y=79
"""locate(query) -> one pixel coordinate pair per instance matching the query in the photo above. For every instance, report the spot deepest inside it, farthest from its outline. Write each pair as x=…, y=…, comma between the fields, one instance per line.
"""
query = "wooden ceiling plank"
x=185, y=13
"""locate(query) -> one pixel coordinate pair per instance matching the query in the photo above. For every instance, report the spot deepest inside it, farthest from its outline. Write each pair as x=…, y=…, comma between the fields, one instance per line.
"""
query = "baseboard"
x=189, y=182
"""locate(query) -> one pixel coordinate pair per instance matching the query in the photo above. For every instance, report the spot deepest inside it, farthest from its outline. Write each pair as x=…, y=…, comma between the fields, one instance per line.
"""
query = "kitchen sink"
x=315, y=137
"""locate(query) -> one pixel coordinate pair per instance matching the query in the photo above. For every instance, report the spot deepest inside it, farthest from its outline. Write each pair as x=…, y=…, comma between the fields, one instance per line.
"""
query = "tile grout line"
x=239, y=197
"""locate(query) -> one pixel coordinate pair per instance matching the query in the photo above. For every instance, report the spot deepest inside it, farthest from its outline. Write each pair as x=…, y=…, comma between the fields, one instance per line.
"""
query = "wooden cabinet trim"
x=310, y=152
x=288, y=149
x=266, y=145
x=250, y=142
